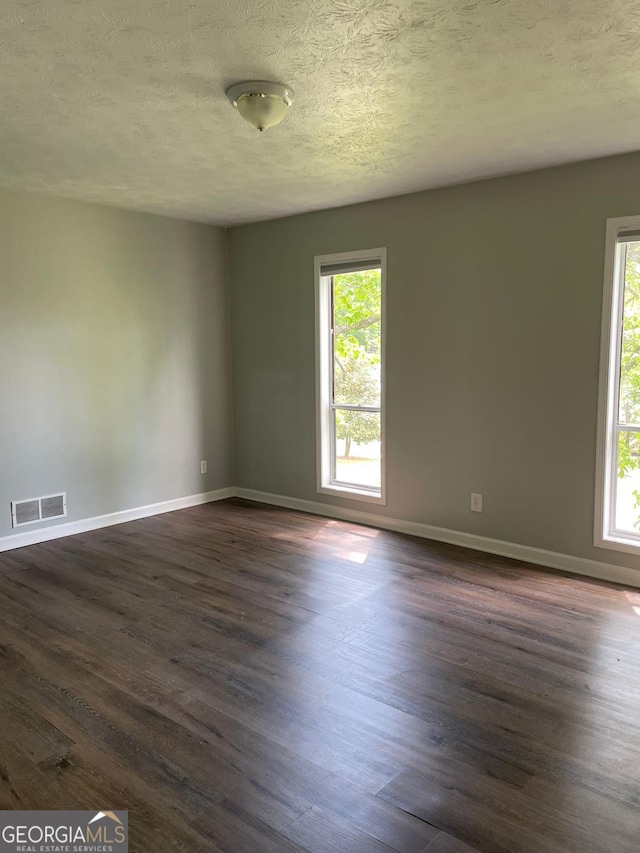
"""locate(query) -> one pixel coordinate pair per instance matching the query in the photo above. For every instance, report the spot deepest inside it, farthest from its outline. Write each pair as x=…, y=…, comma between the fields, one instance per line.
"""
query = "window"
x=350, y=382
x=617, y=521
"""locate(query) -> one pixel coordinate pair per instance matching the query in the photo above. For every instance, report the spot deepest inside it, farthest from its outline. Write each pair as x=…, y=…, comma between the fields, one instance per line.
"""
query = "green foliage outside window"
x=629, y=442
x=357, y=335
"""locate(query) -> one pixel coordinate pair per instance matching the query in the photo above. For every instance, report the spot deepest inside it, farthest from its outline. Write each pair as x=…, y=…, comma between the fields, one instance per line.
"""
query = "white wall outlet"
x=203, y=466
x=476, y=503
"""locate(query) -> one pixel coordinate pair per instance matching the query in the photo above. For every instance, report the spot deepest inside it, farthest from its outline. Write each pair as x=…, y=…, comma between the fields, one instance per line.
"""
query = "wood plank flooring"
x=247, y=679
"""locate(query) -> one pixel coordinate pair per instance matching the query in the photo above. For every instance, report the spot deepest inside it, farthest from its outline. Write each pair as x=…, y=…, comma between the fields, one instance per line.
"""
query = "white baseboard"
x=526, y=553
x=33, y=537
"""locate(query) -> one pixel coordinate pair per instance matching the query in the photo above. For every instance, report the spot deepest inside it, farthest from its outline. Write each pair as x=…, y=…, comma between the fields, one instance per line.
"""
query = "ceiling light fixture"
x=260, y=103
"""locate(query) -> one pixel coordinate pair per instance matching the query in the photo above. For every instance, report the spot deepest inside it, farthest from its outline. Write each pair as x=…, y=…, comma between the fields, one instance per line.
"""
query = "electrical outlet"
x=203, y=466
x=476, y=503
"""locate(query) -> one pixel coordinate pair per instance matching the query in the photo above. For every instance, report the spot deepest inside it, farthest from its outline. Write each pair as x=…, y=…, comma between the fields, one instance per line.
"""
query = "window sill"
x=353, y=493
x=628, y=545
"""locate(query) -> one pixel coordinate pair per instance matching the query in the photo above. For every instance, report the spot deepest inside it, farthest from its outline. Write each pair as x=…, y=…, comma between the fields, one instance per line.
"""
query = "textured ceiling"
x=123, y=102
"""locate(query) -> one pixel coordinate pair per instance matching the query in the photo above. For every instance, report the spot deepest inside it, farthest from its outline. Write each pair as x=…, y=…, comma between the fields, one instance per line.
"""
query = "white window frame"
x=325, y=446
x=605, y=533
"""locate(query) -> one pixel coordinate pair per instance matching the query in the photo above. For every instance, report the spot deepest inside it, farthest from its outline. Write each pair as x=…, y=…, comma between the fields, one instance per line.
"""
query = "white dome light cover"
x=261, y=103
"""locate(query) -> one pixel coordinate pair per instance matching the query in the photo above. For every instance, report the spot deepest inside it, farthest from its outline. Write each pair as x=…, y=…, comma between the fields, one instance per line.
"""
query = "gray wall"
x=114, y=356
x=494, y=304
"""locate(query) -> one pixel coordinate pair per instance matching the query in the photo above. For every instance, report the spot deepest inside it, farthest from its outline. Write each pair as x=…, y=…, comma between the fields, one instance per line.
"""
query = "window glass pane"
x=630, y=348
x=627, y=497
x=357, y=443
x=356, y=338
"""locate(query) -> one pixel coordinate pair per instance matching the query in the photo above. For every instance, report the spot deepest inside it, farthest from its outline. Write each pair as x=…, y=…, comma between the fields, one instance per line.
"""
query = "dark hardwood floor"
x=243, y=678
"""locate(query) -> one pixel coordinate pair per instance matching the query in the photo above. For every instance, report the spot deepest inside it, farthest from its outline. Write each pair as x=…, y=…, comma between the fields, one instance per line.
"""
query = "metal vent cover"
x=52, y=507
x=33, y=510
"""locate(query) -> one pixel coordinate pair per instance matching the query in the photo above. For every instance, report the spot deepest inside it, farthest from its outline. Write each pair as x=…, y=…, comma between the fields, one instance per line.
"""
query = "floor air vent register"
x=38, y=509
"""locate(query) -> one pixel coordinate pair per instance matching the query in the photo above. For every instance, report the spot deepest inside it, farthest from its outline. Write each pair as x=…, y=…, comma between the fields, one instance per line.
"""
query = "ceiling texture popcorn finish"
x=124, y=102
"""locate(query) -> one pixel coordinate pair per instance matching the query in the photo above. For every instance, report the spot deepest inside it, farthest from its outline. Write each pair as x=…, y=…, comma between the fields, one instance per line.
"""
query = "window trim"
x=325, y=454
x=605, y=535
